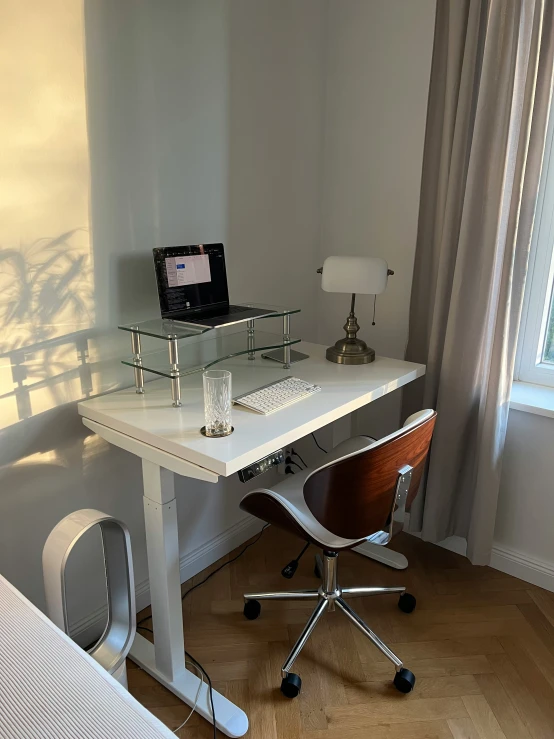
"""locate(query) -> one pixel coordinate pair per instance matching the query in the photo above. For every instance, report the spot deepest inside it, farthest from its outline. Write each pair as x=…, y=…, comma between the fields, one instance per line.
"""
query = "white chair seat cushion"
x=290, y=494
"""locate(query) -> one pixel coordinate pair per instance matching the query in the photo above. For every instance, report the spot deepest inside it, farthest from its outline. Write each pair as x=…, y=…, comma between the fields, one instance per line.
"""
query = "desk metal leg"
x=165, y=660
x=286, y=337
x=250, y=339
x=174, y=367
x=137, y=361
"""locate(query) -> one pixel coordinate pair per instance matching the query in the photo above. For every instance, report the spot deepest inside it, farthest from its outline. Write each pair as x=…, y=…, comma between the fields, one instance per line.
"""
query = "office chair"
x=359, y=494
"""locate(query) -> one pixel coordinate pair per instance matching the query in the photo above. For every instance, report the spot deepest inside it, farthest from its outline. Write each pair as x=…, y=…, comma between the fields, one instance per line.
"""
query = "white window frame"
x=540, y=278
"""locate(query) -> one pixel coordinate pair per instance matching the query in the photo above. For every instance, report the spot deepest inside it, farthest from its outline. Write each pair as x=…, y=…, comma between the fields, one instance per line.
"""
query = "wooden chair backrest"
x=353, y=497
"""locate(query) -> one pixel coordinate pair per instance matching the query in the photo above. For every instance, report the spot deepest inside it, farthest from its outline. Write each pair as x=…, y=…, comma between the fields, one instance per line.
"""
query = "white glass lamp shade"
x=363, y=275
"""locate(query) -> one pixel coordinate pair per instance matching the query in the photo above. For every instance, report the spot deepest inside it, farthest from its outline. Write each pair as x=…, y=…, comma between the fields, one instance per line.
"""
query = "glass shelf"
x=276, y=310
x=197, y=355
x=165, y=328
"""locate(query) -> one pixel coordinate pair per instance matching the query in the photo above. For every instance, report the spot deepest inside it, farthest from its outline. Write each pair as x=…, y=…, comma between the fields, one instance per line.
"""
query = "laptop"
x=192, y=286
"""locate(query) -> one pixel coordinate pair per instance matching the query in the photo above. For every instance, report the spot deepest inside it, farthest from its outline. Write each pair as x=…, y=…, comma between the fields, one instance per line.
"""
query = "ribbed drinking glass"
x=217, y=402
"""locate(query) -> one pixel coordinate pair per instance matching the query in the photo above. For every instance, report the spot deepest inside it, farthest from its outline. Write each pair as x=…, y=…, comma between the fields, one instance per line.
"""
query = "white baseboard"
x=535, y=571
x=455, y=544
x=511, y=561
x=87, y=630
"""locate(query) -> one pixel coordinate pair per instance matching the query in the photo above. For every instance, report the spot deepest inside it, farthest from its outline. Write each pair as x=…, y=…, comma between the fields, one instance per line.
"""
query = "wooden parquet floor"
x=480, y=643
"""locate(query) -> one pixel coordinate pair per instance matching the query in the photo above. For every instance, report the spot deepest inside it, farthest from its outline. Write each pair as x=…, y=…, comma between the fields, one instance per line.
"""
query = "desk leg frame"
x=165, y=660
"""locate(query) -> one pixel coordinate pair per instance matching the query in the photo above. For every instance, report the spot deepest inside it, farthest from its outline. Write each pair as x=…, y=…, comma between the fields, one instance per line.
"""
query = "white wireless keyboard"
x=277, y=395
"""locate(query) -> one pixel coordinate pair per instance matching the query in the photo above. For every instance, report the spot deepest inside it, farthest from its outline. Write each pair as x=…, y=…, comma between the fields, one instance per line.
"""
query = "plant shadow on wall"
x=43, y=285
x=46, y=315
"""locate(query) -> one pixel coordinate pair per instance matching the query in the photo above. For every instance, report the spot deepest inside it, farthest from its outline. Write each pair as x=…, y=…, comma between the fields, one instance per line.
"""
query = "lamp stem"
x=351, y=326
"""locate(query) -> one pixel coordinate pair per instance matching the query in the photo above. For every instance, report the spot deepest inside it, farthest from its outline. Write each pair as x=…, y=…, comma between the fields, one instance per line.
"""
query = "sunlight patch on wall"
x=46, y=278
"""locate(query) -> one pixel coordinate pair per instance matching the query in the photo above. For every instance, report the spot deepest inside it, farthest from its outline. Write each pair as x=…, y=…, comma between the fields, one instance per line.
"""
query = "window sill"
x=529, y=398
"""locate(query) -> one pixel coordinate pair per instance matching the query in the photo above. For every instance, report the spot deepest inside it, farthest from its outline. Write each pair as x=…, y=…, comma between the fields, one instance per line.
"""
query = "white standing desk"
x=168, y=441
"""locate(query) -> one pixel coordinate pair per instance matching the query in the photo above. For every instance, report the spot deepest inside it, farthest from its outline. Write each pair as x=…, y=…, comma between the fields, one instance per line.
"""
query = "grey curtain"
x=490, y=90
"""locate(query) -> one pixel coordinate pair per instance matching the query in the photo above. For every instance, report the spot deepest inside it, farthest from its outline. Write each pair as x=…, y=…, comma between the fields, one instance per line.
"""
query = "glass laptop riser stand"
x=285, y=356
x=225, y=347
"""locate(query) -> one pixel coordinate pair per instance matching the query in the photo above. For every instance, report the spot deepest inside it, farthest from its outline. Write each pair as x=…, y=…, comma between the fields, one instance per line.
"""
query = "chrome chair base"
x=330, y=596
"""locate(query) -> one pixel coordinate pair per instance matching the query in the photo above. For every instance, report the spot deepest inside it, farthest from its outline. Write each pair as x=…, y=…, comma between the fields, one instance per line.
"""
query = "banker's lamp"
x=366, y=275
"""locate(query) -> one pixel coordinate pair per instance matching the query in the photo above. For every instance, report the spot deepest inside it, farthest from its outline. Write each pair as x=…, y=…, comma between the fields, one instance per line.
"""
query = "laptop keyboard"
x=220, y=316
x=237, y=309
x=221, y=312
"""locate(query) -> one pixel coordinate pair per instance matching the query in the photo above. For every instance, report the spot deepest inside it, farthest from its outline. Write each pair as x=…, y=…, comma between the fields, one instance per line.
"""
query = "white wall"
x=276, y=134
x=158, y=132
x=378, y=66
x=197, y=130
x=523, y=537
x=523, y=545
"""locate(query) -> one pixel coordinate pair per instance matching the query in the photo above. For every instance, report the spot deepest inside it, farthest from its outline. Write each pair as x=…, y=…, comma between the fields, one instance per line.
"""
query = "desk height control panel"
x=262, y=465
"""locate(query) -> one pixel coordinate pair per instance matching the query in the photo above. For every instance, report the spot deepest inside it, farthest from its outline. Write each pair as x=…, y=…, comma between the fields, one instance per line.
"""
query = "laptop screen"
x=190, y=278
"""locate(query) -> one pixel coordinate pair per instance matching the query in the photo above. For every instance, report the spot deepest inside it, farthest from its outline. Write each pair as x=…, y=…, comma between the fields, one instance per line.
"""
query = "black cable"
x=318, y=444
x=242, y=551
x=230, y=561
x=187, y=654
x=295, y=454
x=202, y=670
x=291, y=461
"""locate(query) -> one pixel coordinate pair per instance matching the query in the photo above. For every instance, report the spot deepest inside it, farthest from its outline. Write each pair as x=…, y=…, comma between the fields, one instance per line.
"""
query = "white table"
x=168, y=441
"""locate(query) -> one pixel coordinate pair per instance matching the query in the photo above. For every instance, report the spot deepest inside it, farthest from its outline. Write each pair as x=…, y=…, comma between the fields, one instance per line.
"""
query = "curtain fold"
x=489, y=98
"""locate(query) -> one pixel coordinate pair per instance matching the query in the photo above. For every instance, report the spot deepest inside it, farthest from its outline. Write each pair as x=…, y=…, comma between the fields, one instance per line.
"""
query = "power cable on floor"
x=187, y=654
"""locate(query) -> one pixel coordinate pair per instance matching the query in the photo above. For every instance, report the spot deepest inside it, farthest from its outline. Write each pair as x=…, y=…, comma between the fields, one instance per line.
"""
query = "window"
x=535, y=361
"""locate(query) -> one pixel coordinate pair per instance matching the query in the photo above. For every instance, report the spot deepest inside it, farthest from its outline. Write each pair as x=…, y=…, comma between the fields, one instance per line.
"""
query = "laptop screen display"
x=187, y=270
x=190, y=278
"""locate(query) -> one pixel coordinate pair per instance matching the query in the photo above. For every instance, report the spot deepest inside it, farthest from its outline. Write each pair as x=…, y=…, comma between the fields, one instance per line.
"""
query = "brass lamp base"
x=350, y=350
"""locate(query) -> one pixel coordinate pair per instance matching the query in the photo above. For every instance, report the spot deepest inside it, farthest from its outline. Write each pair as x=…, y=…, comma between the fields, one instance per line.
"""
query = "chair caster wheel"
x=290, y=685
x=407, y=602
x=252, y=609
x=404, y=680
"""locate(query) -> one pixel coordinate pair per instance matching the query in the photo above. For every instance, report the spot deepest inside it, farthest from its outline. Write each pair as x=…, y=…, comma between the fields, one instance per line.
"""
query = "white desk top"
x=150, y=418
